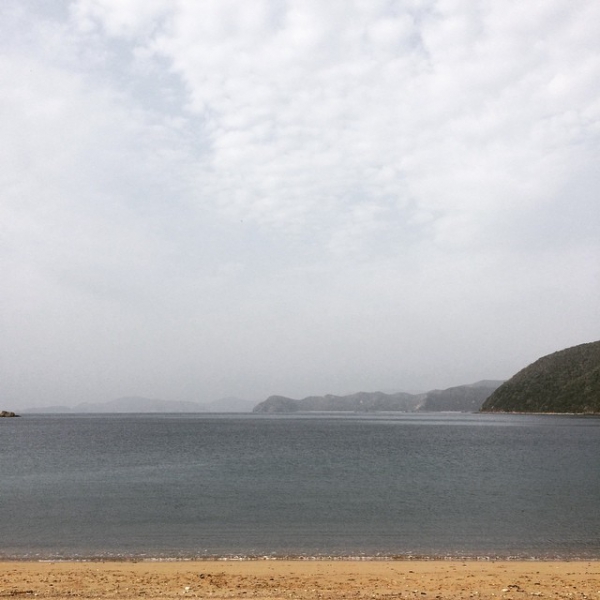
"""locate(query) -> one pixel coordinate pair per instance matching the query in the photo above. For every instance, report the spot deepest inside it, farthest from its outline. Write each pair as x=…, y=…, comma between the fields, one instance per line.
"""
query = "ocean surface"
x=183, y=486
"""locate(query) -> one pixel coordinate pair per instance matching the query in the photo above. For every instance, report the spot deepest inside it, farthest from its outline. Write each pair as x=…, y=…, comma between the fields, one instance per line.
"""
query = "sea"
x=399, y=485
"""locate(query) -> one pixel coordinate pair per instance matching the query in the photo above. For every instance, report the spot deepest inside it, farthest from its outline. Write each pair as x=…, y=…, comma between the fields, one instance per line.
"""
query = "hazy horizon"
x=133, y=404
x=215, y=199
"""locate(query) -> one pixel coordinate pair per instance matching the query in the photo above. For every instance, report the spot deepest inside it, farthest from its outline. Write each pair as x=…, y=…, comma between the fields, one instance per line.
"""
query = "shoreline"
x=482, y=557
x=303, y=579
x=186, y=556
x=151, y=559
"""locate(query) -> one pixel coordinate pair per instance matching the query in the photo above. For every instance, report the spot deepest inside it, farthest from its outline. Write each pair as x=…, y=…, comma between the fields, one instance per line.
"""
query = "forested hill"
x=567, y=381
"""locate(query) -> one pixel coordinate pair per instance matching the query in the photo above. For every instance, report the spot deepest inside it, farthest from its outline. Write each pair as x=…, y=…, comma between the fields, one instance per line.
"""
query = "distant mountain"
x=567, y=381
x=360, y=402
x=229, y=405
x=463, y=398
x=55, y=409
x=138, y=404
x=466, y=398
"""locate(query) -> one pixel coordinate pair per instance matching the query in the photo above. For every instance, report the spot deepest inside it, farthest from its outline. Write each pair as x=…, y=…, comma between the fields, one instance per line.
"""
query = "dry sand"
x=300, y=579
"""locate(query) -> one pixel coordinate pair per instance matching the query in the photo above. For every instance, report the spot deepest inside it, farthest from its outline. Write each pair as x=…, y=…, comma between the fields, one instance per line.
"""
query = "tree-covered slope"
x=567, y=381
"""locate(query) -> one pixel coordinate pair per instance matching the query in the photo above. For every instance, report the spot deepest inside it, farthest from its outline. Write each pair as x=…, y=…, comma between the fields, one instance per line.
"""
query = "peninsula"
x=567, y=381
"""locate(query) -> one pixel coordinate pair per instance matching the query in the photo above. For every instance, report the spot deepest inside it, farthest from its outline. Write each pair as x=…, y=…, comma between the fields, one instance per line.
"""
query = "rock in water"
x=7, y=413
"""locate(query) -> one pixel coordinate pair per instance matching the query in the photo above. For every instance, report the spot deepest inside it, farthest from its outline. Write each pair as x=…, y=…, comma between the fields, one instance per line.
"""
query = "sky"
x=214, y=198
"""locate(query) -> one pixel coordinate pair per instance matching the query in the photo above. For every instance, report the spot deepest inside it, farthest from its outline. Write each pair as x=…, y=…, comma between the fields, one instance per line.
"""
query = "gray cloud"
x=217, y=198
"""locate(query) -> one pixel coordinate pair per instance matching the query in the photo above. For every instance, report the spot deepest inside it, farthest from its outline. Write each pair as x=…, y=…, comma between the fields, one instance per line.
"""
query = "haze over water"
x=204, y=485
x=201, y=200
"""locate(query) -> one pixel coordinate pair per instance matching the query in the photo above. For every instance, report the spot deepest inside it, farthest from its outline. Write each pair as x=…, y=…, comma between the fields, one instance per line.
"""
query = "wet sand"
x=300, y=579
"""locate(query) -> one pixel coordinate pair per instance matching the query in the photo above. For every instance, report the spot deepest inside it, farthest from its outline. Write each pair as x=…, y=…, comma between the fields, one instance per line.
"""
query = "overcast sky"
x=214, y=198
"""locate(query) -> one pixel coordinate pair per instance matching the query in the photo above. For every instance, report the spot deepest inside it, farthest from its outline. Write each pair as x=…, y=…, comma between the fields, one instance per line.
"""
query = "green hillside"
x=567, y=381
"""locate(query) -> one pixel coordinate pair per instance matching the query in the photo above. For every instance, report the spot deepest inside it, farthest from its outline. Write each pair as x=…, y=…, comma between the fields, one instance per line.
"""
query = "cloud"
x=296, y=197
x=313, y=109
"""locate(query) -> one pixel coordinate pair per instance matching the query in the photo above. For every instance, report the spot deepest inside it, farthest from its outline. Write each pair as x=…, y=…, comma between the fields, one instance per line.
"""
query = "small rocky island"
x=7, y=413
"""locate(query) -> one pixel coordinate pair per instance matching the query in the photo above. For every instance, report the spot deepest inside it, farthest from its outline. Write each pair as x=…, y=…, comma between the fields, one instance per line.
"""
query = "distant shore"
x=302, y=579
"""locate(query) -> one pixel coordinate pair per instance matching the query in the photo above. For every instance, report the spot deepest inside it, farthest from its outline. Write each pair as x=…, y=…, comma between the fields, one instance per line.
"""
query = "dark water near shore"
x=198, y=485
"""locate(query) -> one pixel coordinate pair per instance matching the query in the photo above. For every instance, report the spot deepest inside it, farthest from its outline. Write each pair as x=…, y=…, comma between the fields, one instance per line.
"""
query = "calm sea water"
x=198, y=485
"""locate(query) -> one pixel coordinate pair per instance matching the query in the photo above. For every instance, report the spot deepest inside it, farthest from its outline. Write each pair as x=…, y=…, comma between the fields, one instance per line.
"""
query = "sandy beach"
x=501, y=580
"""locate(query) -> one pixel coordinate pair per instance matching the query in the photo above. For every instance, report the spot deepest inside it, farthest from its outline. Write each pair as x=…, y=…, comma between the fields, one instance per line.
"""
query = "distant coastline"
x=140, y=404
x=565, y=382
